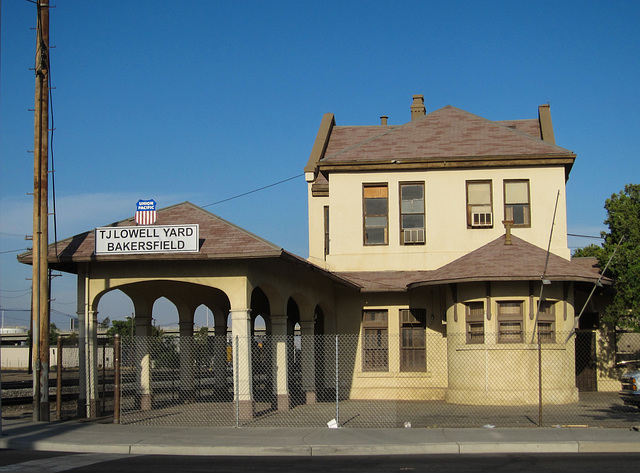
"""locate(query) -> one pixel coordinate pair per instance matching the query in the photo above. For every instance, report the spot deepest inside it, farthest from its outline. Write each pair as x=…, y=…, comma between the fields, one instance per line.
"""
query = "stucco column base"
x=95, y=408
x=145, y=402
x=310, y=397
x=245, y=409
x=284, y=402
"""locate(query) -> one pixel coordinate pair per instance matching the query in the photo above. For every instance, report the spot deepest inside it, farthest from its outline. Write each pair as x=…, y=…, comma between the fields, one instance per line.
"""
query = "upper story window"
x=412, y=214
x=375, y=343
x=479, y=204
x=376, y=214
x=510, y=322
x=516, y=202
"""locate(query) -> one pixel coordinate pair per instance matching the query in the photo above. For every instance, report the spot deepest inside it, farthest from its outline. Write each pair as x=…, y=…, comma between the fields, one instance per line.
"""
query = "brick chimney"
x=417, y=107
x=546, y=127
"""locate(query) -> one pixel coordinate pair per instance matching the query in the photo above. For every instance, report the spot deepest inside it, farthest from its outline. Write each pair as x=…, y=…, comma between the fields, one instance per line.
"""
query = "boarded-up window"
x=510, y=322
x=375, y=343
x=516, y=202
x=376, y=221
x=413, y=348
x=475, y=322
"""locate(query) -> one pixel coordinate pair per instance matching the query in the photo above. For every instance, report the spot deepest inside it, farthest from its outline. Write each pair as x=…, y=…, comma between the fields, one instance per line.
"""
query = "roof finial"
x=507, y=225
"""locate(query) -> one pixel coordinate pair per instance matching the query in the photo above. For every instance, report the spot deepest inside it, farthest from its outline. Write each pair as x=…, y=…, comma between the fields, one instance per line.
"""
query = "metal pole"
x=116, y=379
x=539, y=379
x=337, y=385
x=59, y=379
x=237, y=386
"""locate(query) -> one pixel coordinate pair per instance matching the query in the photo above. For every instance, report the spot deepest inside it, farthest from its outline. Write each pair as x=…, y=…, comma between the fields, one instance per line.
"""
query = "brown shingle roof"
x=218, y=239
x=445, y=133
x=495, y=261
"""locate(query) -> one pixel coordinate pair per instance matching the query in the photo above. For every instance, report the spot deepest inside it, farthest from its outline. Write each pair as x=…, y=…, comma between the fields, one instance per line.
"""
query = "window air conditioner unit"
x=414, y=235
x=481, y=219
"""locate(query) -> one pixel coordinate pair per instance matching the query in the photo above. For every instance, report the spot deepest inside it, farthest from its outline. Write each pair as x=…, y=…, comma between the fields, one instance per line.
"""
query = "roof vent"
x=417, y=107
x=383, y=120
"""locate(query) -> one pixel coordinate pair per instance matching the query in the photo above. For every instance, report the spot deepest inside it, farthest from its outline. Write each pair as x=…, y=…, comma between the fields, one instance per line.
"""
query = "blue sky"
x=202, y=101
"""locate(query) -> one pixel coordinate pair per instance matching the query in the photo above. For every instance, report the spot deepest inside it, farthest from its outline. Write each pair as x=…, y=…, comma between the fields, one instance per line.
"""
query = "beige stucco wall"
x=447, y=235
x=507, y=373
x=393, y=384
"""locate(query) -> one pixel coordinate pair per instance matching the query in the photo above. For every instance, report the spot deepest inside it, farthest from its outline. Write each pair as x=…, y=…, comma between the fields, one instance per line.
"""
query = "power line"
x=255, y=190
x=585, y=236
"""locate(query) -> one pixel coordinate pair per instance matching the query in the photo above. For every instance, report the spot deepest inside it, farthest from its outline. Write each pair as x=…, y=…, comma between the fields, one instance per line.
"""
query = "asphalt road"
x=27, y=461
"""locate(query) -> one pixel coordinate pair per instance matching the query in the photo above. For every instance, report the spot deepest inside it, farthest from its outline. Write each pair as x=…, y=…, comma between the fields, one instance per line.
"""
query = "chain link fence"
x=374, y=381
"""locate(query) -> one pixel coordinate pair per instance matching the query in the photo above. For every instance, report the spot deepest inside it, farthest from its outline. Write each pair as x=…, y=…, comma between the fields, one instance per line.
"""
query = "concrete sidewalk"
x=224, y=441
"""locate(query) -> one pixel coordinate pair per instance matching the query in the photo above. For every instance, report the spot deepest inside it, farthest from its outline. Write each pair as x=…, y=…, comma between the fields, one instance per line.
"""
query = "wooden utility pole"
x=40, y=281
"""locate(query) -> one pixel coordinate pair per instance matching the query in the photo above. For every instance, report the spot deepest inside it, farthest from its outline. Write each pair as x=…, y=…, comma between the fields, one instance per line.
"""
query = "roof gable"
x=445, y=133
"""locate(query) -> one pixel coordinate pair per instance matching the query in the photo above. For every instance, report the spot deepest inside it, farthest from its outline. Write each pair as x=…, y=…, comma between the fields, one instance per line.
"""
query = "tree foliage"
x=623, y=219
x=126, y=328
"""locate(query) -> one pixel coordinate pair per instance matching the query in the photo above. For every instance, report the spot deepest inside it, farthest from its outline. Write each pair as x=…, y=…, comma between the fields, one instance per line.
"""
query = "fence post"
x=539, y=379
x=59, y=379
x=237, y=383
x=337, y=384
x=116, y=379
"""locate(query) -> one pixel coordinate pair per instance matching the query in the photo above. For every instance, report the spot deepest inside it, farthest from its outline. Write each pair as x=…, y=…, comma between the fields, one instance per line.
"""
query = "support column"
x=82, y=306
x=308, y=361
x=187, y=384
x=143, y=357
x=242, y=372
x=281, y=361
x=92, y=365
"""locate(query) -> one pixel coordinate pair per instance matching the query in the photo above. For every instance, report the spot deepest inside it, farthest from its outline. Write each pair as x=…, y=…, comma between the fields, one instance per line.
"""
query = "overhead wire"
x=254, y=190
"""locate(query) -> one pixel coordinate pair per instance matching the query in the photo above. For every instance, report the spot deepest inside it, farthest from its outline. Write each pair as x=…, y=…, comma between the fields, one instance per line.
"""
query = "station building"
x=439, y=244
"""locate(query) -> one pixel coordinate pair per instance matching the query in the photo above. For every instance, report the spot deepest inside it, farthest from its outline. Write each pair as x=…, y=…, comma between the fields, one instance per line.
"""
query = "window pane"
x=412, y=206
x=413, y=221
x=518, y=213
x=373, y=222
x=375, y=206
x=516, y=192
x=412, y=192
x=479, y=193
x=376, y=236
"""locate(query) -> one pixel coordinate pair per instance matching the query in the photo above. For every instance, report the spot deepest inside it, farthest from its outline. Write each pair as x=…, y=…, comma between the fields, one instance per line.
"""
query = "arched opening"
x=203, y=320
x=261, y=352
x=164, y=315
x=319, y=342
x=116, y=306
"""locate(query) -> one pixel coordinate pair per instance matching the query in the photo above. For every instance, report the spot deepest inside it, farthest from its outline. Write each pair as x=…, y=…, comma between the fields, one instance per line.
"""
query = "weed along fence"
x=354, y=381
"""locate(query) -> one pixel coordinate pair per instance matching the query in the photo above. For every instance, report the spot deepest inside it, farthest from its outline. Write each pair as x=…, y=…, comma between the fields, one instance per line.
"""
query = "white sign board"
x=147, y=239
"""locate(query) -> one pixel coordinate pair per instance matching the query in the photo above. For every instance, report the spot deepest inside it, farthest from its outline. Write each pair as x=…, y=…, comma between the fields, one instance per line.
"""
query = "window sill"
x=397, y=374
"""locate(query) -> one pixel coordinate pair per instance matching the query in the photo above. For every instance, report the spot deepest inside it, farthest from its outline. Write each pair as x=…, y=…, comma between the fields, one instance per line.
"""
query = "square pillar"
x=242, y=371
x=308, y=360
x=143, y=357
x=187, y=378
x=281, y=361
